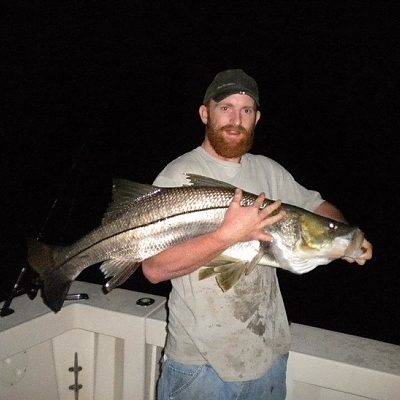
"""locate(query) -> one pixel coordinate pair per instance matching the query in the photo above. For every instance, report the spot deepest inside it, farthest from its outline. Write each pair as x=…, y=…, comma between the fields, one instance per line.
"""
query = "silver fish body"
x=143, y=220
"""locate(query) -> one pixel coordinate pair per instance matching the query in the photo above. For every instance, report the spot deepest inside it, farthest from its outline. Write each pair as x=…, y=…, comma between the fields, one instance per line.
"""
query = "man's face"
x=230, y=125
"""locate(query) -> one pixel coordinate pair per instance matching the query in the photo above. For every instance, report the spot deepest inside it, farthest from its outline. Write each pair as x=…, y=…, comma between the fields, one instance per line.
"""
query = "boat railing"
x=110, y=346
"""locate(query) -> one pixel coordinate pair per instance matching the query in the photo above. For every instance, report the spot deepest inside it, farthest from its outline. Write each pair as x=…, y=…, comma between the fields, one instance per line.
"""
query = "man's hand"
x=242, y=224
x=367, y=255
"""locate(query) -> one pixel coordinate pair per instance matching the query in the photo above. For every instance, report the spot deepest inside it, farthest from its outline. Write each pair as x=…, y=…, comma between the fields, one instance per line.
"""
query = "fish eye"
x=332, y=225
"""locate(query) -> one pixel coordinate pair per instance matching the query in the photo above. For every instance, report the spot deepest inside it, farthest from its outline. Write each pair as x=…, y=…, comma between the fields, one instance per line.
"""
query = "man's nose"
x=236, y=117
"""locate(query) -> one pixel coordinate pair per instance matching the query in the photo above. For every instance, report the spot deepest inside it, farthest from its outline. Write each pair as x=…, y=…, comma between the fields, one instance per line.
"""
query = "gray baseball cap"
x=231, y=81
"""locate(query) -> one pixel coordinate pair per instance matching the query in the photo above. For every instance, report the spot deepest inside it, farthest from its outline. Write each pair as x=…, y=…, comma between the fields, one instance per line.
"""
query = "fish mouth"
x=348, y=245
x=354, y=249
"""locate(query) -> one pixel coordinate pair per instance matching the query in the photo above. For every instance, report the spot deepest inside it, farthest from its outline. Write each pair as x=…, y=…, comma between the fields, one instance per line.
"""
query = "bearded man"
x=234, y=344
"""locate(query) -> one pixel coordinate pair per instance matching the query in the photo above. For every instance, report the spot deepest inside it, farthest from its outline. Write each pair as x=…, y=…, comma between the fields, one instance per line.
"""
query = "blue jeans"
x=186, y=382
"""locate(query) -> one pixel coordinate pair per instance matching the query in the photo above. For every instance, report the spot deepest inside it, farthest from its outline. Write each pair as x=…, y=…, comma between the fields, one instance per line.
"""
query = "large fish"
x=143, y=220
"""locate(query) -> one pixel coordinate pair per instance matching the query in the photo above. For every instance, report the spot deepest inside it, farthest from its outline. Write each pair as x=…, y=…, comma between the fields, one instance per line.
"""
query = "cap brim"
x=222, y=94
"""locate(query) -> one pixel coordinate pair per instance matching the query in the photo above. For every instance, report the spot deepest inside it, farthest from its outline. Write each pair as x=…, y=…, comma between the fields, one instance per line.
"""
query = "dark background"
x=96, y=90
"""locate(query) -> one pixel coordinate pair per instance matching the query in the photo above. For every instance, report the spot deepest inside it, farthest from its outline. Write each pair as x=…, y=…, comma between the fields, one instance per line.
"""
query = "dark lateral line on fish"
x=127, y=230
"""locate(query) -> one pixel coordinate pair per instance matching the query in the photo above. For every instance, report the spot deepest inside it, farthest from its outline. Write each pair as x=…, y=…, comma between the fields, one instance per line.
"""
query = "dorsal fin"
x=124, y=193
x=203, y=181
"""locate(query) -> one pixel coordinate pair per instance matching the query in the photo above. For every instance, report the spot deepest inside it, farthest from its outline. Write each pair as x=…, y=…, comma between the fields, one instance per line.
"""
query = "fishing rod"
x=34, y=284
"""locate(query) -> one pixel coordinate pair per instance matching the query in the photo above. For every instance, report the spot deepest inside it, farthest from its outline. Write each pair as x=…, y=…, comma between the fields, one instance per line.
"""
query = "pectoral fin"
x=120, y=269
x=254, y=262
x=228, y=271
x=229, y=275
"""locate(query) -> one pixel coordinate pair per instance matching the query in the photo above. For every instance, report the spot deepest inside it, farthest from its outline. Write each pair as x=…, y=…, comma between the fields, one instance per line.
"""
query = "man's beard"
x=223, y=147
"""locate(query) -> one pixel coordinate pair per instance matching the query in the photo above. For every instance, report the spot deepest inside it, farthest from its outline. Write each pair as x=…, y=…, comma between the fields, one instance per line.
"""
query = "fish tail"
x=41, y=257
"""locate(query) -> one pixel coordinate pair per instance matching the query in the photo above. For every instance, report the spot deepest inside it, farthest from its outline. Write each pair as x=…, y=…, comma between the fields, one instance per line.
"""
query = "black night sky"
x=96, y=90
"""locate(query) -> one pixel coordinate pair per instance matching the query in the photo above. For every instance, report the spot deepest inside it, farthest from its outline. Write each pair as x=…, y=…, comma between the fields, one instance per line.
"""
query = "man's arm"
x=241, y=224
x=328, y=210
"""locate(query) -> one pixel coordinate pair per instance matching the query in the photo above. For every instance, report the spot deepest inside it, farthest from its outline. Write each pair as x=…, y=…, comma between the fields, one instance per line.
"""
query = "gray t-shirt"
x=240, y=332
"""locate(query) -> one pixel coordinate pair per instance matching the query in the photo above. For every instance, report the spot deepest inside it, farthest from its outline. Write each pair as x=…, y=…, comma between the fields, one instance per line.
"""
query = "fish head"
x=328, y=238
x=303, y=241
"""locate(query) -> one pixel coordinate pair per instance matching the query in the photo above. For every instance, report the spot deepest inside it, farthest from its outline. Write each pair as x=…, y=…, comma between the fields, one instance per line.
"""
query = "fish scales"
x=157, y=208
x=149, y=225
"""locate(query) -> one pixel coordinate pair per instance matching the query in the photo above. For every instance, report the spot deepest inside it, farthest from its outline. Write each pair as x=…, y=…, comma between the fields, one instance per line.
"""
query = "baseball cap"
x=231, y=81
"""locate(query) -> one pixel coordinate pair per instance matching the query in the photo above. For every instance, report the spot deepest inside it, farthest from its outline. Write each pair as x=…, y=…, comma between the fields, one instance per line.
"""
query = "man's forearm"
x=328, y=210
x=184, y=258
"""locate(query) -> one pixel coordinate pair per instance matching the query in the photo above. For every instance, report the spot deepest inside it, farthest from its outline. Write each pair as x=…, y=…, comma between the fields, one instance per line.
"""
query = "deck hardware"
x=76, y=387
x=77, y=296
x=27, y=282
x=145, y=301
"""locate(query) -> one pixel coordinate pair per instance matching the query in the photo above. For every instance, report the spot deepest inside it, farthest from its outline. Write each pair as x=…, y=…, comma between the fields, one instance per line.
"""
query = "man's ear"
x=203, y=114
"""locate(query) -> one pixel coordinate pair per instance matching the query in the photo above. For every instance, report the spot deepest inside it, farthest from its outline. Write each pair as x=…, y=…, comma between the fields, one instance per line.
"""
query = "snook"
x=143, y=220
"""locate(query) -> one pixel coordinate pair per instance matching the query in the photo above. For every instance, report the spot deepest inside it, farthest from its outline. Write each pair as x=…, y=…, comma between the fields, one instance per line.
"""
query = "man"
x=231, y=345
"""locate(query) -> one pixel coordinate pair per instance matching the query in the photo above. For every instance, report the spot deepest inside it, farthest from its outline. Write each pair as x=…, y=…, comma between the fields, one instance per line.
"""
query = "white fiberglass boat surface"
x=109, y=347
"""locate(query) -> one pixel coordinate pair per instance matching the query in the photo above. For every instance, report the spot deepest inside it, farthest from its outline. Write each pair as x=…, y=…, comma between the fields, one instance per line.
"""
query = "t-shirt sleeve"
x=291, y=192
x=172, y=176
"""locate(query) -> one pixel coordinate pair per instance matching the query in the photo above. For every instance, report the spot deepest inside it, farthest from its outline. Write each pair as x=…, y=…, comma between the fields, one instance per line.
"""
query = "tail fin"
x=40, y=256
x=55, y=284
